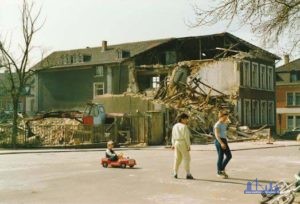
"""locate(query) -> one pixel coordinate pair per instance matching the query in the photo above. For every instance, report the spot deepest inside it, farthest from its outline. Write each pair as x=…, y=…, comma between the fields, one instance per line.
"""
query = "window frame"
x=294, y=121
x=101, y=72
x=246, y=115
x=262, y=113
x=255, y=116
x=94, y=89
x=271, y=120
x=263, y=78
x=287, y=93
x=256, y=85
x=155, y=82
x=271, y=78
x=294, y=101
x=246, y=77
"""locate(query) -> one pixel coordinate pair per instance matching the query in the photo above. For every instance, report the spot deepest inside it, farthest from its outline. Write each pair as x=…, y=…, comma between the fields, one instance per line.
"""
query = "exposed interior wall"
x=70, y=89
x=222, y=75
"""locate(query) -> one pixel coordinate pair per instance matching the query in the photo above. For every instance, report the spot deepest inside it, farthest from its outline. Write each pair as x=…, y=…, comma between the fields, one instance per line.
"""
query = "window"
x=271, y=112
x=98, y=89
x=255, y=112
x=297, y=122
x=87, y=58
x=73, y=59
x=263, y=109
x=293, y=121
x=247, y=112
x=295, y=76
x=170, y=57
x=122, y=53
x=155, y=82
x=246, y=73
x=270, y=78
x=290, y=122
x=99, y=71
x=65, y=59
x=125, y=54
x=297, y=99
x=293, y=99
x=263, y=76
x=68, y=59
x=80, y=58
x=255, y=75
x=290, y=99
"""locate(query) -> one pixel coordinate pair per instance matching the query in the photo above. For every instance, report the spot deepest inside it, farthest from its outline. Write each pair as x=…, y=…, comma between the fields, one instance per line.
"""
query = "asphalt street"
x=78, y=177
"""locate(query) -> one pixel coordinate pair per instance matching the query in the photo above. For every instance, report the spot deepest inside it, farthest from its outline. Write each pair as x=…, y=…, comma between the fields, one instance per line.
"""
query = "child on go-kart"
x=110, y=153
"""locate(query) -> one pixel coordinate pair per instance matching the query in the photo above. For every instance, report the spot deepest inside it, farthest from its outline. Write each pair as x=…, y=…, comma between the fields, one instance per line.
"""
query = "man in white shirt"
x=181, y=144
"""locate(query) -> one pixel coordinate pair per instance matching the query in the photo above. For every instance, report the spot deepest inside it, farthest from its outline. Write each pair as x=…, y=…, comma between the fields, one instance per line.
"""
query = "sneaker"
x=225, y=175
x=175, y=176
x=189, y=176
x=221, y=175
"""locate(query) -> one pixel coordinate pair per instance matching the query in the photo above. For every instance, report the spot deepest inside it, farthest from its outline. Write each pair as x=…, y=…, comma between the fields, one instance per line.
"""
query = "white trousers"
x=181, y=153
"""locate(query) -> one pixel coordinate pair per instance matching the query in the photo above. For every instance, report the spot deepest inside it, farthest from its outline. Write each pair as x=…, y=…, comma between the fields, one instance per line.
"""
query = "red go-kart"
x=119, y=163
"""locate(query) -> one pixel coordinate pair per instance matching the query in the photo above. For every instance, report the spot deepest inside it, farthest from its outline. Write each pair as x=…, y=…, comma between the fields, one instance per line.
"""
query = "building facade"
x=68, y=79
x=288, y=95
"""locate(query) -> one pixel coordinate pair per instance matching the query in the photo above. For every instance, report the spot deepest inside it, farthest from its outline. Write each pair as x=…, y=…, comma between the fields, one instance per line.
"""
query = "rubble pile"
x=183, y=91
x=53, y=131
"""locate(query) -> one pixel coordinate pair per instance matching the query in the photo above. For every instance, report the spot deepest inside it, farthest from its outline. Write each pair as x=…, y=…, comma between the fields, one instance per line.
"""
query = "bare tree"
x=270, y=19
x=17, y=66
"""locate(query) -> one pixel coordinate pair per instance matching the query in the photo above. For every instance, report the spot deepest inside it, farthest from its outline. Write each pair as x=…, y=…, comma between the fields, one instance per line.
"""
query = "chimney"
x=286, y=59
x=104, y=45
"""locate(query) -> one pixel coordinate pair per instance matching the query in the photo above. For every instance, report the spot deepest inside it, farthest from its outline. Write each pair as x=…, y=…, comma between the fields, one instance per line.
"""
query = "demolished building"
x=223, y=71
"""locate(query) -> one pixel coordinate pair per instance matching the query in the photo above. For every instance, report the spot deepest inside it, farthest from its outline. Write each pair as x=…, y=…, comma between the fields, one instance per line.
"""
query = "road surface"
x=78, y=177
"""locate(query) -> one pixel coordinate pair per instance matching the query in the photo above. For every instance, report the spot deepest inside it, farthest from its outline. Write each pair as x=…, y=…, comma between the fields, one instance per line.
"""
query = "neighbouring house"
x=288, y=95
x=68, y=79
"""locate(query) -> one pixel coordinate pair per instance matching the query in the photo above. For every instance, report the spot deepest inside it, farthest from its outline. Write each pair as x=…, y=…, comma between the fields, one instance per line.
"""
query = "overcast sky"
x=72, y=24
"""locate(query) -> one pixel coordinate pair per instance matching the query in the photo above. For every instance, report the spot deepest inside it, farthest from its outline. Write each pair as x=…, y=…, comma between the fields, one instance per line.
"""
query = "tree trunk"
x=15, y=124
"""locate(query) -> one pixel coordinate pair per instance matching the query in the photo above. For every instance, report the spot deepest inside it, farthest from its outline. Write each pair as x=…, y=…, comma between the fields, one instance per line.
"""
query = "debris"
x=202, y=102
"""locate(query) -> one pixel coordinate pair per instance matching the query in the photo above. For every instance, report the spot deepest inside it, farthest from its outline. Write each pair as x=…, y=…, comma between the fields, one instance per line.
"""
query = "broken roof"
x=247, y=44
x=291, y=66
x=56, y=59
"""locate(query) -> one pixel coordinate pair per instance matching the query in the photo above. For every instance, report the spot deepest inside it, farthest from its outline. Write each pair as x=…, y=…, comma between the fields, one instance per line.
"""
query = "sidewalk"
x=239, y=146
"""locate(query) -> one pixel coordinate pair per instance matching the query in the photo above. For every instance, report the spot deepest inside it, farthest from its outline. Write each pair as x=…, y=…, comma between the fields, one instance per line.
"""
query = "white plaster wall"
x=221, y=75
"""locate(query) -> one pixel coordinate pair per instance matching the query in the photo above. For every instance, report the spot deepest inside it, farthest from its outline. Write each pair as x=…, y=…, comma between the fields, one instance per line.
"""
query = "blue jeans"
x=221, y=163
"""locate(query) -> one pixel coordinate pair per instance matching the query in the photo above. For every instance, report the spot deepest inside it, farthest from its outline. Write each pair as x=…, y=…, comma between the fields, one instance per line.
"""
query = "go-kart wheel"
x=105, y=165
x=131, y=166
x=123, y=166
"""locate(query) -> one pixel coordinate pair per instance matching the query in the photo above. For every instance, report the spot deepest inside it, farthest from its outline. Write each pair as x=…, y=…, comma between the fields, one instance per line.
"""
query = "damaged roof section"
x=209, y=46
